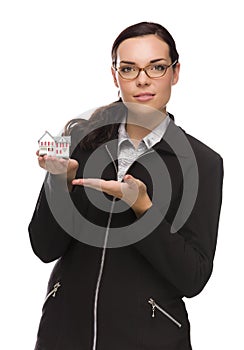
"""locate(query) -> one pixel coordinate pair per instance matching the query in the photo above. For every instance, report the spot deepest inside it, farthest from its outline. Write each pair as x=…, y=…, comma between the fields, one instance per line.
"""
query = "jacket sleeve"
x=48, y=236
x=185, y=258
x=51, y=226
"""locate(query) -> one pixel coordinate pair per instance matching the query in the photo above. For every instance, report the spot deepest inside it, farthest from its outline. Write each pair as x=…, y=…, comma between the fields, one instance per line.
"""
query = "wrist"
x=141, y=206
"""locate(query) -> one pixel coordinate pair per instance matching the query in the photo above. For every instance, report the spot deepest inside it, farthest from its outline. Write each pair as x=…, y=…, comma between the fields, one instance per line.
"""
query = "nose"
x=143, y=79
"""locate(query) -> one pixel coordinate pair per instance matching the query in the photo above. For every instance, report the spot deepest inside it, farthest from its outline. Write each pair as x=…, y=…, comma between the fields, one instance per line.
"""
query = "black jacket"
x=112, y=289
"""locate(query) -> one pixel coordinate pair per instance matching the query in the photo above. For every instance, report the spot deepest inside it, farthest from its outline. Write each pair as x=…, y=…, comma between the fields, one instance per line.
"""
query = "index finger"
x=97, y=184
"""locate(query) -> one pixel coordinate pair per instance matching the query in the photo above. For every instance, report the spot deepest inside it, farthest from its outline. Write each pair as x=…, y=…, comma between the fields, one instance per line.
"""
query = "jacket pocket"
x=157, y=307
x=52, y=292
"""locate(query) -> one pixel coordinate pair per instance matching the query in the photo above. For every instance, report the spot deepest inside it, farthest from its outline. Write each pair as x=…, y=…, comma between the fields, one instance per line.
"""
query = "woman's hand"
x=59, y=166
x=132, y=191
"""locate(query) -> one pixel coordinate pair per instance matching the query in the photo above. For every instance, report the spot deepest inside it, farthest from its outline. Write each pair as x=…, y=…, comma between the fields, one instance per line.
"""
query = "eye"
x=127, y=69
x=158, y=67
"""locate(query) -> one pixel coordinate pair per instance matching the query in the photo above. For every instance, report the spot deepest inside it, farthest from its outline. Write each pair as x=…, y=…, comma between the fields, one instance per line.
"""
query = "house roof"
x=56, y=138
x=63, y=139
x=46, y=133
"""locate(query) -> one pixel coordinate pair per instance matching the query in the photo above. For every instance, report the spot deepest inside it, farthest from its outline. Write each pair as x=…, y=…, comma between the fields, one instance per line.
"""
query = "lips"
x=144, y=96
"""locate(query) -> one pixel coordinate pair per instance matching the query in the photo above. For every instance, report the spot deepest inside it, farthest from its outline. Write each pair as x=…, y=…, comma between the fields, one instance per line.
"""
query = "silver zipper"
x=110, y=155
x=94, y=345
x=53, y=291
x=156, y=306
x=100, y=276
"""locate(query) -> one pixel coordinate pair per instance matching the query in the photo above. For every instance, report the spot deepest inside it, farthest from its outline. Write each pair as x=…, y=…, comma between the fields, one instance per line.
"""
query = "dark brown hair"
x=146, y=28
x=105, y=120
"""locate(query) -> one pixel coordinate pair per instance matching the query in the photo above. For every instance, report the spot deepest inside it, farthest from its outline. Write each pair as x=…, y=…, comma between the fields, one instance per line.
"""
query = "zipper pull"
x=152, y=302
x=55, y=289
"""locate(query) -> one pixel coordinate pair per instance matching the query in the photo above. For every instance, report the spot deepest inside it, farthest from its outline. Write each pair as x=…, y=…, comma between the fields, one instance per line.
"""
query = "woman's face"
x=151, y=92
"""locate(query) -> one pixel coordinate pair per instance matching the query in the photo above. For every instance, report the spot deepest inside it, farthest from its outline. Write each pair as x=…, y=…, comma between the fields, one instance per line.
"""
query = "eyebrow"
x=152, y=61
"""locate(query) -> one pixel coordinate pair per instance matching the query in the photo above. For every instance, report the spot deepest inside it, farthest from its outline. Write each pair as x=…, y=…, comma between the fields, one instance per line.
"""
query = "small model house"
x=58, y=146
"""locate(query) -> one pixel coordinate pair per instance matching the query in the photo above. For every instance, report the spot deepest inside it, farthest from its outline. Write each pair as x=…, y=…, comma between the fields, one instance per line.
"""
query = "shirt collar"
x=149, y=140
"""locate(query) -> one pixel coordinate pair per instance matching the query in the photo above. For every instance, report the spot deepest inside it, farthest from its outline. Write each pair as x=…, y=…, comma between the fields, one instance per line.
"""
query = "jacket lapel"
x=174, y=142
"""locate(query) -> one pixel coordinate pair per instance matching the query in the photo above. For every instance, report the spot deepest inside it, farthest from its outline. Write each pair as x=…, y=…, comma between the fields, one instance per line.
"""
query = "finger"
x=129, y=178
x=41, y=162
x=53, y=164
x=110, y=187
x=92, y=183
x=131, y=181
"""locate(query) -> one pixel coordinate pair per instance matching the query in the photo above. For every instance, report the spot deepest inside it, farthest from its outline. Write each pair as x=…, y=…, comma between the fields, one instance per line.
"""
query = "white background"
x=55, y=64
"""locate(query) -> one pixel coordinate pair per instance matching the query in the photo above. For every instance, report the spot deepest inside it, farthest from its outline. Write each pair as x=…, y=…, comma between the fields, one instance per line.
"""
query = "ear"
x=176, y=73
x=114, y=77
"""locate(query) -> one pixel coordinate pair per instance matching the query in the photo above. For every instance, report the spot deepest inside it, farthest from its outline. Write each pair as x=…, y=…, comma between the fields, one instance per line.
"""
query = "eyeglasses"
x=130, y=72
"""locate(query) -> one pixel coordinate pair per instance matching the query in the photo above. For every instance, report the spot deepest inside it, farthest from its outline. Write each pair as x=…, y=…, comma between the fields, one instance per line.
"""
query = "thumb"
x=130, y=180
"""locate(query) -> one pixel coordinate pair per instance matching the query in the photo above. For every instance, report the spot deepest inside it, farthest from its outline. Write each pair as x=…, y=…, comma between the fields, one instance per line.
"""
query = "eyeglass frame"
x=144, y=70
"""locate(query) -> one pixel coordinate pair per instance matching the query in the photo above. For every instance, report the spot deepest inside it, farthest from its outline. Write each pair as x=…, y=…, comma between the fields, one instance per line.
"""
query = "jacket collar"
x=174, y=142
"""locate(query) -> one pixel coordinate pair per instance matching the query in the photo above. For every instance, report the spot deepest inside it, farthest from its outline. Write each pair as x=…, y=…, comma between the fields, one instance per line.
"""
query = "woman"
x=132, y=217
